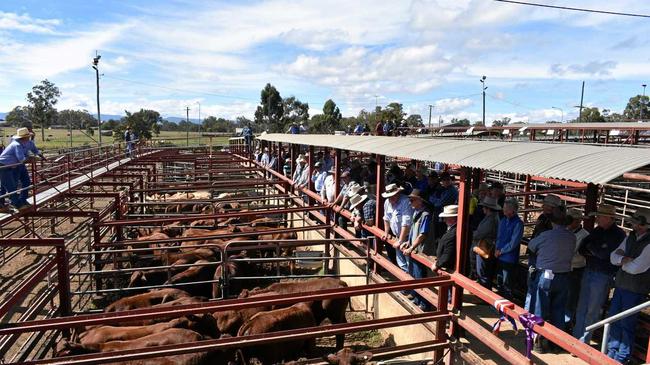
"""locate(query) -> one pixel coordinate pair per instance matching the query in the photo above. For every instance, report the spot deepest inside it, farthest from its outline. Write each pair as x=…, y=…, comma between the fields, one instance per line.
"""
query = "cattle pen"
x=91, y=240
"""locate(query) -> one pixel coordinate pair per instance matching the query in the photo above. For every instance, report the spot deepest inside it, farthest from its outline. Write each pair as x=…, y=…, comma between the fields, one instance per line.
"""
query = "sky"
x=218, y=55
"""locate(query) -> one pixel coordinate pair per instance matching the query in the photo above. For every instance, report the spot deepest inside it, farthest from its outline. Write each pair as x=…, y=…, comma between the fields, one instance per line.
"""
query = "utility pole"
x=376, y=105
x=200, y=122
x=483, y=88
x=187, y=132
x=430, y=109
x=582, y=97
x=99, y=114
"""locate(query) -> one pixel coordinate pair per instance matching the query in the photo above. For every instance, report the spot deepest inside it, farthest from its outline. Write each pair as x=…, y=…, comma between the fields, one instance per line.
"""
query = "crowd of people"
x=14, y=177
x=571, y=271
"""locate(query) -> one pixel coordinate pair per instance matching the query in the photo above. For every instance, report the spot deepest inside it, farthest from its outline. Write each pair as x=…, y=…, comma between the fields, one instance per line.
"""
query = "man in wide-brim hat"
x=578, y=263
x=486, y=232
x=397, y=223
x=632, y=285
x=599, y=271
x=446, y=250
x=10, y=159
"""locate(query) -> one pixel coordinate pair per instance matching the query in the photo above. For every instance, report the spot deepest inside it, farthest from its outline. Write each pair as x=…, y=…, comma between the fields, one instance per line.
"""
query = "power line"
x=574, y=9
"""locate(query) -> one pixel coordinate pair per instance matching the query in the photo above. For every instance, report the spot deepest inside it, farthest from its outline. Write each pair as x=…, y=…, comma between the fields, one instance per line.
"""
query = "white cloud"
x=451, y=105
x=27, y=24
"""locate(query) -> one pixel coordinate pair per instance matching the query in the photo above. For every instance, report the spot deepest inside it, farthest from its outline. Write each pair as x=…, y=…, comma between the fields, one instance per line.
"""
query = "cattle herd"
x=192, y=273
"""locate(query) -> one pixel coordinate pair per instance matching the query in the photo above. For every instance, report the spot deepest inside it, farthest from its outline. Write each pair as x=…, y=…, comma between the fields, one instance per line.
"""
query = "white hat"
x=357, y=199
x=449, y=211
x=301, y=158
x=22, y=133
x=354, y=189
x=392, y=189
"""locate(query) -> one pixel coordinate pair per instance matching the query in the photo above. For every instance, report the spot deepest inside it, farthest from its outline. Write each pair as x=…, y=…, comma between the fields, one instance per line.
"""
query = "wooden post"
x=462, y=237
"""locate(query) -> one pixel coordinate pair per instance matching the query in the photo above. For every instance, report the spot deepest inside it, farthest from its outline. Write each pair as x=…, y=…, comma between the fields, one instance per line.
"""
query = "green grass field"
x=60, y=138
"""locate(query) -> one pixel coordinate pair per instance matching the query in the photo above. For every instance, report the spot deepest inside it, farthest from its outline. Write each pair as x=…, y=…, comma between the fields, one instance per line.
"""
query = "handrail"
x=608, y=321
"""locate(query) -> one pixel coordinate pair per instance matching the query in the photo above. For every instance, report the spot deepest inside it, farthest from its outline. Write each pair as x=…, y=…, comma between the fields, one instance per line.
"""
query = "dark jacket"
x=446, y=251
x=597, y=247
x=639, y=283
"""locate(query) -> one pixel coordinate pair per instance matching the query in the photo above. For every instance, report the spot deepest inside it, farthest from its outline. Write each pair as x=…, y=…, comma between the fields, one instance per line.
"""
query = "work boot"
x=540, y=346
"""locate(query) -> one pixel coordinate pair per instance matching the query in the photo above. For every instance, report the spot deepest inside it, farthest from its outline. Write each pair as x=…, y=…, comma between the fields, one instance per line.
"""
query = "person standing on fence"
x=632, y=257
x=30, y=150
x=10, y=159
x=129, y=139
x=247, y=133
x=599, y=272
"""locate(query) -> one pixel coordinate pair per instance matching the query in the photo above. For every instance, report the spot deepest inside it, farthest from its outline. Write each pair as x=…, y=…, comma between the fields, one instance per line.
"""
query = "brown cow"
x=203, y=272
x=231, y=320
x=346, y=356
x=233, y=268
x=297, y=316
x=333, y=309
x=151, y=298
x=166, y=337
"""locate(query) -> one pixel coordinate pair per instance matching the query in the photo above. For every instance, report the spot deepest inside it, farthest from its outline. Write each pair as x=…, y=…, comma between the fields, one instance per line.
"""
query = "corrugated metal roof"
x=589, y=164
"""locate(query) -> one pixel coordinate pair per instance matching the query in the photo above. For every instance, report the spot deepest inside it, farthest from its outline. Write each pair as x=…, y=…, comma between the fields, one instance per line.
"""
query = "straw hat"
x=605, y=210
x=301, y=158
x=416, y=193
x=22, y=133
x=641, y=216
x=354, y=189
x=552, y=201
x=490, y=202
x=575, y=214
x=391, y=190
x=449, y=211
x=318, y=164
x=357, y=199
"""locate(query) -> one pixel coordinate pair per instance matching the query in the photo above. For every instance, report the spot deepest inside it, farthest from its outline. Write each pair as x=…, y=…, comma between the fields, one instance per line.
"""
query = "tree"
x=143, y=123
x=414, y=120
x=76, y=119
x=329, y=121
x=294, y=111
x=270, y=111
x=460, y=122
x=42, y=100
x=501, y=122
x=110, y=125
x=636, y=107
x=591, y=115
x=166, y=125
x=393, y=113
x=213, y=124
x=18, y=117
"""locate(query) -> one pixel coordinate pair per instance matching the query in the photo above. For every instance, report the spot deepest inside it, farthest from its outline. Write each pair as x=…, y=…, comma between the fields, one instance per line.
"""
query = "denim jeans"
x=504, y=278
x=594, y=290
x=621, y=333
x=551, y=298
x=23, y=177
x=402, y=261
x=417, y=271
x=531, y=292
x=9, y=181
x=485, y=271
x=575, y=278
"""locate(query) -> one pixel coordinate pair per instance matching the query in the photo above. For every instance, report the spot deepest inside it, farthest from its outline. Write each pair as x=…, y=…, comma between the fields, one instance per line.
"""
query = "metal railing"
x=607, y=322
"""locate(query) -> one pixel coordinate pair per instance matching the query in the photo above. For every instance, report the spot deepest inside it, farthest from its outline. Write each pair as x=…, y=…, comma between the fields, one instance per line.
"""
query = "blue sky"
x=167, y=55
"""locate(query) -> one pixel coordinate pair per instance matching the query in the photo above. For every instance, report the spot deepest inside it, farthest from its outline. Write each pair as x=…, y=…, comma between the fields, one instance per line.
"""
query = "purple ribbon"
x=528, y=321
x=496, y=327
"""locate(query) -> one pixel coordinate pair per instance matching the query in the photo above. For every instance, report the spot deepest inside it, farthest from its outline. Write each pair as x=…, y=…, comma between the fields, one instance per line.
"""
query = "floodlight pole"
x=99, y=114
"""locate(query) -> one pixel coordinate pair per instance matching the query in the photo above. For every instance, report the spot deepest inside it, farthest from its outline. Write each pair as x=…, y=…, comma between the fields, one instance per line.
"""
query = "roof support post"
x=526, y=197
x=381, y=171
x=310, y=170
x=337, y=172
x=294, y=156
x=462, y=236
x=591, y=203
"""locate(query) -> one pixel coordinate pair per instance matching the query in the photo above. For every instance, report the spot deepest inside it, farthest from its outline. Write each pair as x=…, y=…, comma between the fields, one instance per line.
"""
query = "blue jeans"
x=504, y=278
x=25, y=181
x=551, y=298
x=485, y=271
x=402, y=261
x=9, y=181
x=531, y=292
x=575, y=278
x=621, y=333
x=417, y=271
x=594, y=290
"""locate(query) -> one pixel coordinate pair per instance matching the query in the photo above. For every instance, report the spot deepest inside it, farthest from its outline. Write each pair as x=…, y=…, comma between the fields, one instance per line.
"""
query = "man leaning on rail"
x=632, y=284
x=10, y=160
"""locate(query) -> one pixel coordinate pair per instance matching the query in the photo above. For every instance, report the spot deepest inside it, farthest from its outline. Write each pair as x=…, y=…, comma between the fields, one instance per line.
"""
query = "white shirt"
x=638, y=265
x=328, y=189
x=578, y=260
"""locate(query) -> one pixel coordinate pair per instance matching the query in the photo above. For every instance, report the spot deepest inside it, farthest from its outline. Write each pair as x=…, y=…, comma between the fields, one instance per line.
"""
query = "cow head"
x=138, y=278
x=67, y=348
x=348, y=357
x=205, y=324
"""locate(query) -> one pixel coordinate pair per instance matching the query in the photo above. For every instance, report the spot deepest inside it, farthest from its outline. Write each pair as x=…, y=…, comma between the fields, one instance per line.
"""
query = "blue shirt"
x=425, y=223
x=319, y=180
x=444, y=196
x=554, y=249
x=31, y=147
x=509, y=238
x=398, y=215
x=13, y=154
